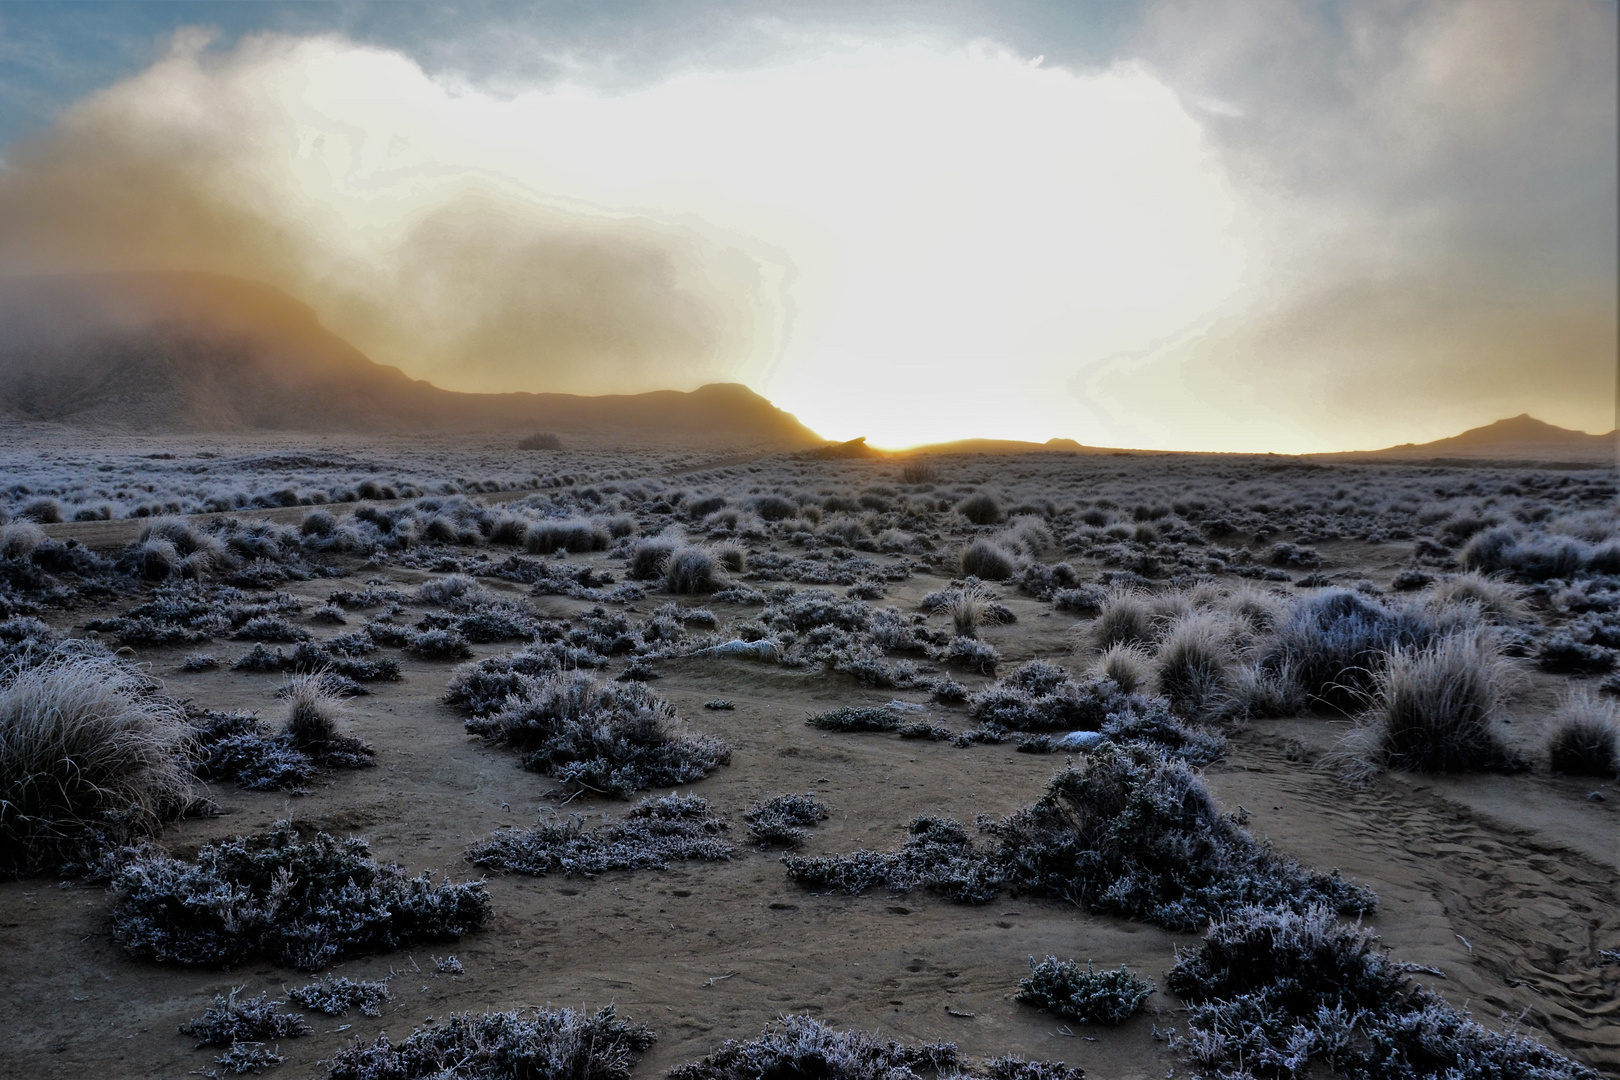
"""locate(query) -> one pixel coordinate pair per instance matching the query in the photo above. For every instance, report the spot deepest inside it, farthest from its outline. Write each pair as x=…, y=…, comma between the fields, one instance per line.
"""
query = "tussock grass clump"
x=577, y=535
x=542, y=1045
x=1091, y=997
x=1497, y=599
x=653, y=833
x=313, y=714
x=1123, y=619
x=614, y=738
x=1274, y=992
x=691, y=570
x=255, y=1019
x=18, y=539
x=1436, y=709
x=540, y=440
x=1129, y=666
x=647, y=557
x=1132, y=832
x=90, y=755
x=303, y=903
x=988, y=560
x=783, y=819
x=1196, y=663
x=980, y=508
x=334, y=997
x=1586, y=737
x=804, y=1047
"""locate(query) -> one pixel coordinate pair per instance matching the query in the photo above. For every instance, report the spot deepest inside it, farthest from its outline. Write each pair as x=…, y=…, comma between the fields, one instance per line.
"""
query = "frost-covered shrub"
x=648, y=556
x=654, y=833
x=1196, y=663
x=938, y=856
x=336, y=996
x=296, y=902
x=1089, y=996
x=1585, y=740
x=229, y=1020
x=439, y=645
x=782, y=819
x=542, y=1045
x=1332, y=645
x=90, y=755
x=855, y=718
x=970, y=653
x=271, y=628
x=609, y=737
x=1040, y=696
x=1131, y=833
x=1274, y=992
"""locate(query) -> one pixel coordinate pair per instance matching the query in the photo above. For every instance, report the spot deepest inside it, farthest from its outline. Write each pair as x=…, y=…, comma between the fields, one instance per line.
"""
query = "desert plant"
x=980, y=508
x=1274, y=991
x=1436, y=708
x=648, y=556
x=1585, y=739
x=1089, y=996
x=988, y=560
x=691, y=570
x=19, y=539
x=1129, y=666
x=540, y=440
x=610, y=737
x=89, y=755
x=654, y=832
x=853, y=718
x=334, y=997
x=732, y=557
x=1195, y=662
x=782, y=819
x=229, y=1020
x=542, y=1045
x=301, y=903
x=1123, y=619
x=572, y=534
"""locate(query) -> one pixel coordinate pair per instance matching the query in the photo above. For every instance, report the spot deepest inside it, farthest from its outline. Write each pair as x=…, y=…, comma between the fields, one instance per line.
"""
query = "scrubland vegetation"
x=1103, y=653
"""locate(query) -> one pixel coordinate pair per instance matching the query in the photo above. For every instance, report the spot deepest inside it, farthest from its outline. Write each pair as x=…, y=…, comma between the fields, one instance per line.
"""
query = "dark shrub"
x=540, y=440
x=1275, y=991
x=331, y=900
x=1091, y=997
x=653, y=833
x=782, y=819
x=543, y=1045
x=988, y=560
x=980, y=508
x=1585, y=739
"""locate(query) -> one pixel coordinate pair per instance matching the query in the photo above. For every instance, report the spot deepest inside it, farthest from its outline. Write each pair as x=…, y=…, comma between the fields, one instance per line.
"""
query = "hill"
x=203, y=352
x=1517, y=438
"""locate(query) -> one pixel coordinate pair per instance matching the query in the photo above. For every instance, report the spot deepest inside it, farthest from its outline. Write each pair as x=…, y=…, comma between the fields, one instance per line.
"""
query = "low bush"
x=542, y=1045
x=540, y=440
x=653, y=833
x=614, y=738
x=1131, y=832
x=854, y=718
x=1274, y=992
x=1585, y=739
x=969, y=653
x=334, y=997
x=253, y=1019
x=1040, y=696
x=783, y=819
x=1091, y=997
x=802, y=1047
x=577, y=535
x=439, y=645
x=303, y=903
x=90, y=755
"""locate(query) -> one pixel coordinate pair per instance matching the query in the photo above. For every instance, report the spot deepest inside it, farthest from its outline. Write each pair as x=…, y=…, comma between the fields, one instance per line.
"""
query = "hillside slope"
x=202, y=352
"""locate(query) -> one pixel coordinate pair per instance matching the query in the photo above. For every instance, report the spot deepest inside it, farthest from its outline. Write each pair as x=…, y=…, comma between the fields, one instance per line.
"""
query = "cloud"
x=276, y=162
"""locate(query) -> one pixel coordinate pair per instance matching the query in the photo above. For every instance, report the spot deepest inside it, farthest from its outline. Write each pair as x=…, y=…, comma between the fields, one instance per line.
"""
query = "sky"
x=1179, y=224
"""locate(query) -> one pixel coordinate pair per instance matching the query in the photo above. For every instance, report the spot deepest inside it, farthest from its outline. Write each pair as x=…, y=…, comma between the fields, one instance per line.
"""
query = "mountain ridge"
x=191, y=352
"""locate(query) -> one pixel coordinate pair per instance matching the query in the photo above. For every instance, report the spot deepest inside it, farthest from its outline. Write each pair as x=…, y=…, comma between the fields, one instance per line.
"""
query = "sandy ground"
x=1505, y=885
